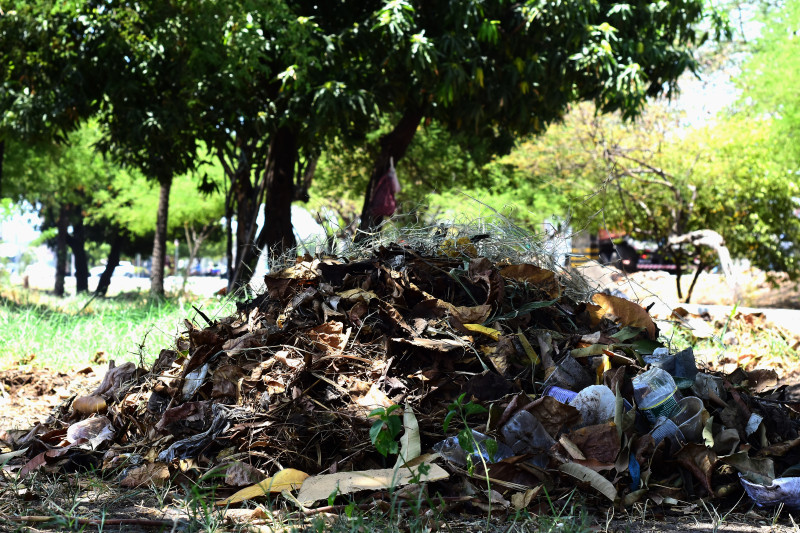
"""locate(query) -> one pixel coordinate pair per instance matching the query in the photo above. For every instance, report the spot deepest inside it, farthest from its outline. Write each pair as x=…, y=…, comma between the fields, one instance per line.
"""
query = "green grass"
x=66, y=333
x=748, y=344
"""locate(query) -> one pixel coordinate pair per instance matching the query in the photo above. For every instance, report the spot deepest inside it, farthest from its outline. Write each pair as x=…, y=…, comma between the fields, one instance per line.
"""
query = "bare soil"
x=752, y=287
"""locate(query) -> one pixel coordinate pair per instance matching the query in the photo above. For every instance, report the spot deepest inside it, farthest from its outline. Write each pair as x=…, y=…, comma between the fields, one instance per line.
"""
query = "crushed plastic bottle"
x=681, y=366
x=655, y=393
x=526, y=435
x=452, y=451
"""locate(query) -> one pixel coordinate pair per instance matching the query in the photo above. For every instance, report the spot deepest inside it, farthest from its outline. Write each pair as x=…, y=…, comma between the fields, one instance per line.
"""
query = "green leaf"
x=474, y=409
x=466, y=440
x=447, y=419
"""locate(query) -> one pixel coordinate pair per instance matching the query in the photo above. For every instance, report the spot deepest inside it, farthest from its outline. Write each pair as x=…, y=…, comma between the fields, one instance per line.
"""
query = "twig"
x=202, y=314
x=142, y=522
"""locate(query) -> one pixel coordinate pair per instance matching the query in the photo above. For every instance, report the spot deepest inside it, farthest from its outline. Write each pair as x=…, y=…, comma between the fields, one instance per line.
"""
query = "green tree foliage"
x=59, y=179
x=493, y=70
x=653, y=180
x=165, y=76
x=43, y=93
x=440, y=180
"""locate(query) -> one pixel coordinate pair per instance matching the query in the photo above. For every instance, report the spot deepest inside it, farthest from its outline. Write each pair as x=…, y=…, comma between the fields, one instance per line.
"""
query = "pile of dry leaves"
x=284, y=395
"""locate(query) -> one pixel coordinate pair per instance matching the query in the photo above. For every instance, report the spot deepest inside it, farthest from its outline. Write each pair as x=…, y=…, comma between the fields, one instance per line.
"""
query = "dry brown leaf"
x=521, y=500
x=374, y=398
x=540, y=277
x=150, y=474
x=42, y=459
x=239, y=474
x=571, y=448
x=600, y=442
x=89, y=405
x=554, y=415
x=628, y=313
x=440, y=345
x=587, y=475
x=328, y=337
x=475, y=314
x=700, y=461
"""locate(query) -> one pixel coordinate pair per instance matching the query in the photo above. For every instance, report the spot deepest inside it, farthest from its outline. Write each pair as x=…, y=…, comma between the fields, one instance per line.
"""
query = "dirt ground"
x=751, y=288
x=28, y=395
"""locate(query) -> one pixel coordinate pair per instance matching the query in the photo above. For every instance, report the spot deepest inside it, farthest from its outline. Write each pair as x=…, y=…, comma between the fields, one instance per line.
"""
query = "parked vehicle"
x=124, y=268
x=630, y=255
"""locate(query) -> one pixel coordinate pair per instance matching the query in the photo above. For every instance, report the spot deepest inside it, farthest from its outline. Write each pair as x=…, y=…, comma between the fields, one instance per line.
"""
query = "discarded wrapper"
x=783, y=490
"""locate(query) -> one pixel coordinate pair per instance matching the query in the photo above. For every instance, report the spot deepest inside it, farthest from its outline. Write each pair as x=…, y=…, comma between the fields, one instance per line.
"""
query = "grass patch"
x=65, y=333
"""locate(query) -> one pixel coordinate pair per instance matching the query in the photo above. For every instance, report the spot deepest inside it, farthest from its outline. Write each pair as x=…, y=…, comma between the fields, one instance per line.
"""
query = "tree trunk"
x=160, y=241
x=393, y=146
x=277, y=235
x=194, y=241
x=2, y=157
x=700, y=268
x=77, y=242
x=62, y=225
x=111, y=264
x=246, y=213
x=678, y=276
x=229, y=246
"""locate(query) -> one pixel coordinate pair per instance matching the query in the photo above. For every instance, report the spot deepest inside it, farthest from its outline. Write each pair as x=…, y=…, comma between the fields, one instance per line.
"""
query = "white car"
x=124, y=268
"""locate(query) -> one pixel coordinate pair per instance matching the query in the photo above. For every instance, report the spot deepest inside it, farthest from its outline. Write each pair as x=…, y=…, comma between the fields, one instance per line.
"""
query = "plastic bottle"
x=655, y=393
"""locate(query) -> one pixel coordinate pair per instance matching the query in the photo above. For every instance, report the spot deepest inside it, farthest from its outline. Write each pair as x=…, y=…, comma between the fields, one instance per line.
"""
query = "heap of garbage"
x=489, y=373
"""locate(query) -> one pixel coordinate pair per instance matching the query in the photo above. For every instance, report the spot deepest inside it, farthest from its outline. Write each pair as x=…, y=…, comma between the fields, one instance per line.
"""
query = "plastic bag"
x=383, y=201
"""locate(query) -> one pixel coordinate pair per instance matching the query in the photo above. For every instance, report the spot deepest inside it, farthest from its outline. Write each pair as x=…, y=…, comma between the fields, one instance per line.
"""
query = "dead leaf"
x=600, y=442
x=254, y=341
x=410, y=447
x=374, y=398
x=761, y=379
x=150, y=474
x=571, y=448
x=287, y=479
x=244, y=516
x=492, y=333
x=225, y=381
x=186, y=412
x=628, y=313
x=329, y=338
x=587, y=475
x=529, y=274
x=43, y=458
x=521, y=500
x=116, y=378
x=318, y=488
x=764, y=468
x=239, y=474
x=554, y=415
x=476, y=314
x=700, y=461
x=439, y=345
x=89, y=405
